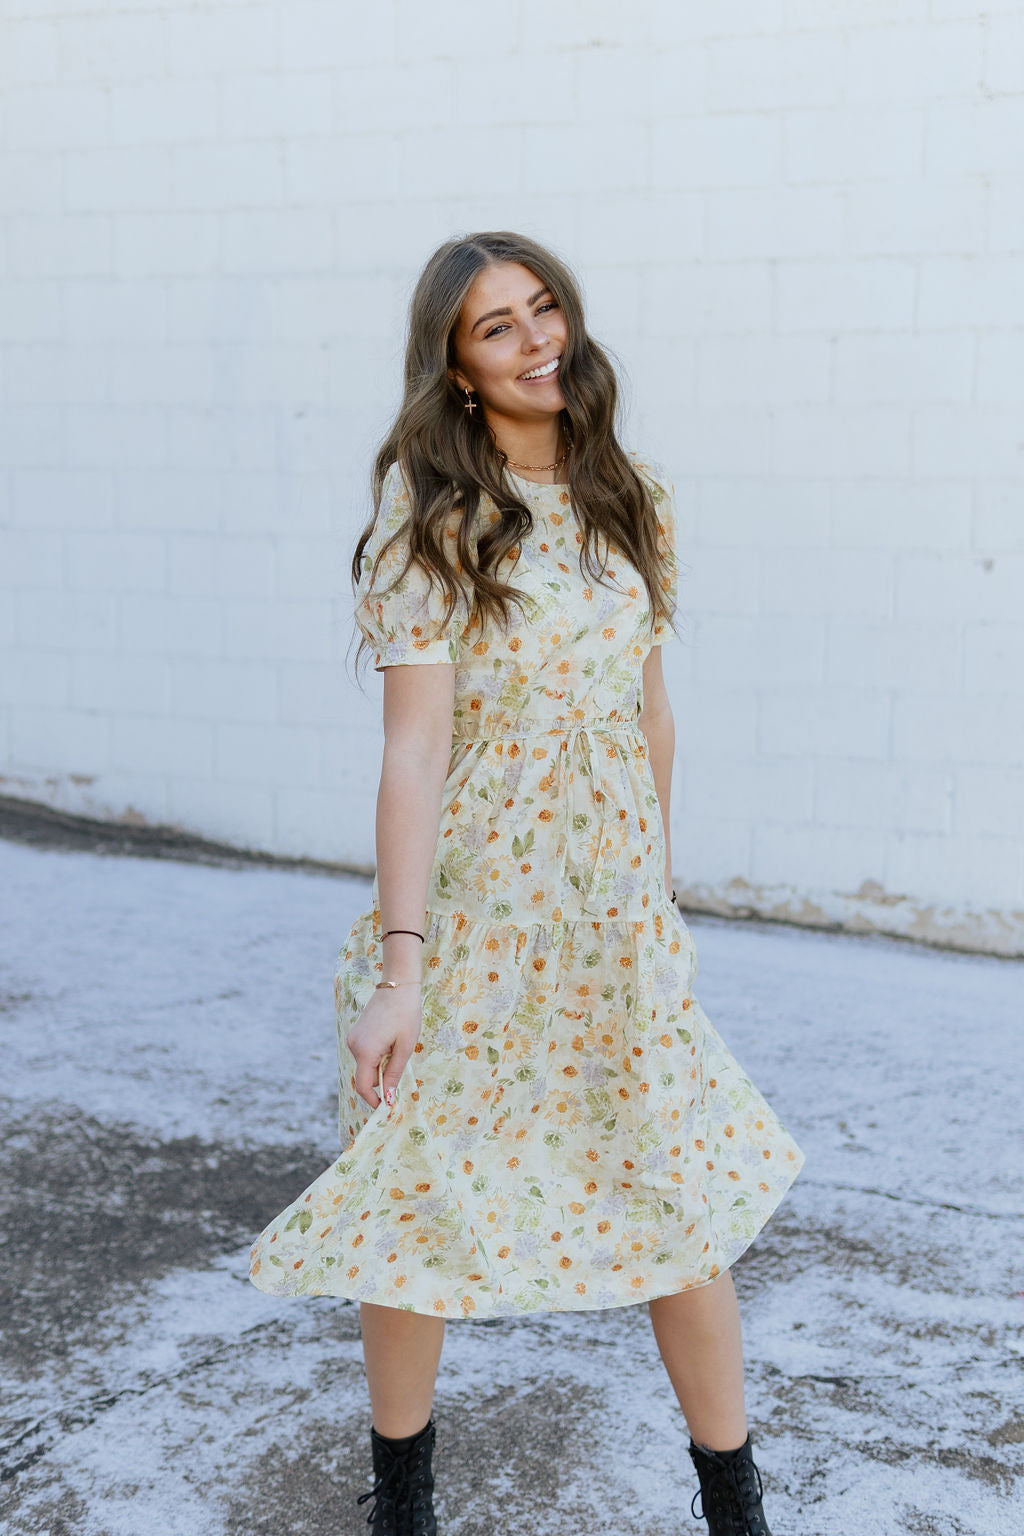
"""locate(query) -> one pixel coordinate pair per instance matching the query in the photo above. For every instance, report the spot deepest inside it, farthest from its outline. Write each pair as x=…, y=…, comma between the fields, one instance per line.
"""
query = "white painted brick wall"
x=800, y=229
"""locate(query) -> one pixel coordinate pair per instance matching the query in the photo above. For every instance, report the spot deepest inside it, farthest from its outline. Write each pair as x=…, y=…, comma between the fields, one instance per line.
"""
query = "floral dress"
x=570, y=1131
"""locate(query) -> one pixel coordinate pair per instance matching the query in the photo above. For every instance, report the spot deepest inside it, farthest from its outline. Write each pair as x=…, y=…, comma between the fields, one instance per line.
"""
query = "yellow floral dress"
x=570, y=1132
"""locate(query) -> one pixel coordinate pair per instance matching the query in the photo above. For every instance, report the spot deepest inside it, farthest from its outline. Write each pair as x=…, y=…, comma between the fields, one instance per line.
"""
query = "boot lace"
x=734, y=1490
x=400, y=1495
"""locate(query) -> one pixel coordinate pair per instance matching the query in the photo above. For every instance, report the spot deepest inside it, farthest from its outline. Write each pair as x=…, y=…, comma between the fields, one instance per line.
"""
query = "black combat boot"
x=730, y=1492
x=403, y=1485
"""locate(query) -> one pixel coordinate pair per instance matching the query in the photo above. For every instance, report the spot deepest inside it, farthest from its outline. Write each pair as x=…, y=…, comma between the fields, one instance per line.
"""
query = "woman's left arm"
x=658, y=725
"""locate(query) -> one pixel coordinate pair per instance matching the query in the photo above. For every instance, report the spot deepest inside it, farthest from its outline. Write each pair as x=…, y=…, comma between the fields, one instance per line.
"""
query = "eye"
x=548, y=304
x=494, y=330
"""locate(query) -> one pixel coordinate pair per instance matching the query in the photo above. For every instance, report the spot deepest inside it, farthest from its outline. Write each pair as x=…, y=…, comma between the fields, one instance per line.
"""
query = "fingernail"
x=389, y=1097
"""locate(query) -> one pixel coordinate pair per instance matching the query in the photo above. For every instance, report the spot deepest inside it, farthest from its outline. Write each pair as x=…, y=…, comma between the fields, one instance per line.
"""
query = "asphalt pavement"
x=168, y=1084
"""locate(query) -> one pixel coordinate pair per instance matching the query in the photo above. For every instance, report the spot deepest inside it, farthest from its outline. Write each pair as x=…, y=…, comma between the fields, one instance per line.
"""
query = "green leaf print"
x=648, y=1137
x=529, y=1214
x=598, y=1103
x=580, y=822
x=436, y=1011
x=493, y=1056
x=535, y=1191
x=417, y=1135
x=553, y=1139
x=500, y=910
x=534, y=1016
x=524, y=1074
x=301, y=1219
x=609, y=1125
x=454, y=870
x=608, y=993
x=521, y=846
x=513, y=698
x=453, y=1085
x=594, y=958
x=685, y=1036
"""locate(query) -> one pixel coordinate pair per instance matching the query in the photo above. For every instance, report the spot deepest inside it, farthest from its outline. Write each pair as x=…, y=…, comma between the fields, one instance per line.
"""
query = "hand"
x=388, y=1027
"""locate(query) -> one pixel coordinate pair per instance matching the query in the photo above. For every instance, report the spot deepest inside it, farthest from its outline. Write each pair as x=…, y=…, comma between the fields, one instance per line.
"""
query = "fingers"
x=384, y=1072
x=393, y=1070
x=367, y=1078
x=381, y=1042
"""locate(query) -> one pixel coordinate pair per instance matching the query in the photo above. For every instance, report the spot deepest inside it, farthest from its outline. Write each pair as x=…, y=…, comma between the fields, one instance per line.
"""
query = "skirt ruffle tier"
x=571, y=1132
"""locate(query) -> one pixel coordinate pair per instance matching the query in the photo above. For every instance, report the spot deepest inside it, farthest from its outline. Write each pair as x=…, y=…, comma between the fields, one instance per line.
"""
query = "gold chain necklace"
x=513, y=465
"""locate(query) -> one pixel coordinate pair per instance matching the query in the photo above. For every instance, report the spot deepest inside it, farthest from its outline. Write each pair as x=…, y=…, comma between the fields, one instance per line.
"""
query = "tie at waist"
x=518, y=730
x=578, y=754
x=581, y=735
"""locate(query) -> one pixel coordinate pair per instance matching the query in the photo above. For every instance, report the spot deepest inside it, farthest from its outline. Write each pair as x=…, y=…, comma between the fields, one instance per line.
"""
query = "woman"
x=538, y=1114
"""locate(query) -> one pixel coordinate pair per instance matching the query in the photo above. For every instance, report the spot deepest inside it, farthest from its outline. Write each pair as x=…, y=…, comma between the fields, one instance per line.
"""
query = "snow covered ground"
x=168, y=1085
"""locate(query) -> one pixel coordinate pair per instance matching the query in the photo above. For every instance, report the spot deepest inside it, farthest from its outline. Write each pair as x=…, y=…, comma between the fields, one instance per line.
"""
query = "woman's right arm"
x=418, y=704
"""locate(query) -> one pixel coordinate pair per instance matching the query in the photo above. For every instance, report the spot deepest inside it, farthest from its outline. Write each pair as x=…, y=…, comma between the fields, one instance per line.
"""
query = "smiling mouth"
x=545, y=371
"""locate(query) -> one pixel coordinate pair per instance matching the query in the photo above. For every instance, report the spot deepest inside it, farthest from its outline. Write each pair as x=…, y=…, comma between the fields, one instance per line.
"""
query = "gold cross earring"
x=470, y=402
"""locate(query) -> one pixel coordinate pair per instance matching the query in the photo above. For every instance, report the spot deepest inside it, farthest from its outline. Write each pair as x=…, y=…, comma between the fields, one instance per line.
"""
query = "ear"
x=459, y=379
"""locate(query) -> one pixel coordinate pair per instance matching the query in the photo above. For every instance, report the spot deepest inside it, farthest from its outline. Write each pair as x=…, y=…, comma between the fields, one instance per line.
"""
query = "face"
x=511, y=326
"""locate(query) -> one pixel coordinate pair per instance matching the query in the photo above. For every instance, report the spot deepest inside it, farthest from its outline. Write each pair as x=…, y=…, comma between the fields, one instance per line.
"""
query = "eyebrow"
x=491, y=313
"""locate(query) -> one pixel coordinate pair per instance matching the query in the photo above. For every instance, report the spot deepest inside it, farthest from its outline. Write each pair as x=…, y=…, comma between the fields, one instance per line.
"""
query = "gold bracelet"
x=415, y=983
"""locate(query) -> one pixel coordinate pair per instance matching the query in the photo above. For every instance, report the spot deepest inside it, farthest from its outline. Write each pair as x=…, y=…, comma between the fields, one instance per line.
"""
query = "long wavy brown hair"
x=448, y=458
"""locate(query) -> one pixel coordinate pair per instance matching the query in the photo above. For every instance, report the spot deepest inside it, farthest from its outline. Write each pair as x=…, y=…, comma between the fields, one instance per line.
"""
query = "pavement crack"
x=70, y=1419
x=904, y=1199
x=944, y=1368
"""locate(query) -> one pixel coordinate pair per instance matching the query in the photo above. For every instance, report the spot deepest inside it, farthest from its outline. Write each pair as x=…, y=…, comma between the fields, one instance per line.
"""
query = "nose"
x=536, y=335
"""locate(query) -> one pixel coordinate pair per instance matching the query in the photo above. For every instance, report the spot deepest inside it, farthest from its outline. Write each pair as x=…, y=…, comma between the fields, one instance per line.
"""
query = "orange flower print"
x=568, y=1132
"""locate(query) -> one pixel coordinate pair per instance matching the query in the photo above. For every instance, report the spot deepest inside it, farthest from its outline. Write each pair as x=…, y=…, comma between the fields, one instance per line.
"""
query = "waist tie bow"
x=572, y=762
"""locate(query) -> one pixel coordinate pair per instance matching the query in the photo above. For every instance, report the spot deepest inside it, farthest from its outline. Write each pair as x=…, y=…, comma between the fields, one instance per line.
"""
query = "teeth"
x=540, y=373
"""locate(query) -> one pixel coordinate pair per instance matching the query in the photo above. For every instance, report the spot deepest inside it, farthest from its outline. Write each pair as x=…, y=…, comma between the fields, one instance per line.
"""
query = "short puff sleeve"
x=405, y=625
x=663, y=492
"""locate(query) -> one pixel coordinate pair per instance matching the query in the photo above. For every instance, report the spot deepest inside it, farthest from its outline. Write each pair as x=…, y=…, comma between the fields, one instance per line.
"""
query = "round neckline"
x=540, y=485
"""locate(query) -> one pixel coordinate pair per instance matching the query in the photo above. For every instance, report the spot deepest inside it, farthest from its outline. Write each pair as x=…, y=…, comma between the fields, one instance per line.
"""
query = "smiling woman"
x=493, y=353
x=537, y=1114
x=501, y=374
